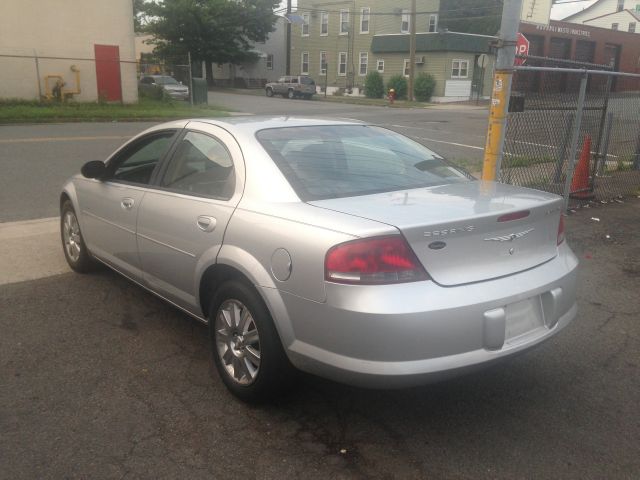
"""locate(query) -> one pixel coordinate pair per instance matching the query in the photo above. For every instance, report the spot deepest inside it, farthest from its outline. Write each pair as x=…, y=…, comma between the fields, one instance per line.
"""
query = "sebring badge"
x=509, y=238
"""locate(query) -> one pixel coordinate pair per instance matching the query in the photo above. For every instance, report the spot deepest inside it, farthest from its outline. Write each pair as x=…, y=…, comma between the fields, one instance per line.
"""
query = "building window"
x=433, y=23
x=270, y=61
x=620, y=6
x=365, y=13
x=304, y=68
x=380, y=66
x=632, y=27
x=614, y=26
x=342, y=64
x=344, y=22
x=405, y=67
x=324, y=23
x=305, y=24
x=404, y=24
x=323, y=63
x=460, y=69
x=364, y=60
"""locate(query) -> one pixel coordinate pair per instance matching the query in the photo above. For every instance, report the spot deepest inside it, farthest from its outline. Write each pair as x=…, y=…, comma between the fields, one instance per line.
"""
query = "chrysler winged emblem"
x=509, y=238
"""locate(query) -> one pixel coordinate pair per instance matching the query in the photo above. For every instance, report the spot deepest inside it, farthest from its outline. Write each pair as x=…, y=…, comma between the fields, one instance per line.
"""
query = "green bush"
x=399, y=84
x=373, y=85
x=423, y=87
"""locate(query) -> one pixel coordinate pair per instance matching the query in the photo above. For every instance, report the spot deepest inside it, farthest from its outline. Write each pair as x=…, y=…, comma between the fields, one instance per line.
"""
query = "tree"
x=471, y=16
x=373, y=85
x=216, y=31
x=423, y=88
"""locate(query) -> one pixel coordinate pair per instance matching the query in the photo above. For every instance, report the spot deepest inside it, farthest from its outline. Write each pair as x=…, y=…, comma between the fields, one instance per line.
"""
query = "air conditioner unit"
x=420, y=60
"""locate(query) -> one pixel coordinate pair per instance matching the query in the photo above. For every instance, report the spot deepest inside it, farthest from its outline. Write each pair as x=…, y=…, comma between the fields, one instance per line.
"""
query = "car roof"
x=250, y=124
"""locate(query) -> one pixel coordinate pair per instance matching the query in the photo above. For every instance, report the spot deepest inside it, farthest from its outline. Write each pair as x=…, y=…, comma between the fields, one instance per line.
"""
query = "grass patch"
x=19, y=111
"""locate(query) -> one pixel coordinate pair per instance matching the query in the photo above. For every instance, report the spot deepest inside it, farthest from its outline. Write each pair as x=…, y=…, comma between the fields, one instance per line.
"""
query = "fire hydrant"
x=391, y=96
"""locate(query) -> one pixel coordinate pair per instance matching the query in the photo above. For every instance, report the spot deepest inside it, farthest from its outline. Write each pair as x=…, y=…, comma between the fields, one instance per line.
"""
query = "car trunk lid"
x=466, y=232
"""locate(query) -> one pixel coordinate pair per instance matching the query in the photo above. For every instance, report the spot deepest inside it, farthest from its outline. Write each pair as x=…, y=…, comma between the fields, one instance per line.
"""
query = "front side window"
x=404, y=23
x=201, y=165
x=364, y=19
x=380, y=65
x=344, y=22
x=433, y=23
x=364, y=60
x=324, y=23
x=137, y=163
x=304, y=68
x=331, y=161
x=323, y=63
x=459, y=69
x=270, y=61
x=342, y=64
x=305, y=24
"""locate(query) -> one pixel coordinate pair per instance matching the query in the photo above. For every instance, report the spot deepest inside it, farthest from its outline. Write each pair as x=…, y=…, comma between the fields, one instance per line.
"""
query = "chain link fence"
x=29, y=75
x=574, y=132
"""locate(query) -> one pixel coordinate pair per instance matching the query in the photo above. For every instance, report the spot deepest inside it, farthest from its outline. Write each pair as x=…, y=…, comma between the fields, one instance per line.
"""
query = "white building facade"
x=86, y=44
x=623, y=15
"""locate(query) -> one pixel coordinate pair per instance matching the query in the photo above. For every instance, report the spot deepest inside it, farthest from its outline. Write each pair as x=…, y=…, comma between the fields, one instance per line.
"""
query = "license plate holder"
x=523, y=318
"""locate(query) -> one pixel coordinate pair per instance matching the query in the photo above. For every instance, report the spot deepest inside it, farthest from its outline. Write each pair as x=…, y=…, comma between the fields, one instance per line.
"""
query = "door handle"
x=127, y=203
x=206, y=223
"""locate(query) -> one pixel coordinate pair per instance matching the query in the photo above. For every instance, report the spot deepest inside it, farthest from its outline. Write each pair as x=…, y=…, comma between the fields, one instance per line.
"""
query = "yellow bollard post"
x=497, y=122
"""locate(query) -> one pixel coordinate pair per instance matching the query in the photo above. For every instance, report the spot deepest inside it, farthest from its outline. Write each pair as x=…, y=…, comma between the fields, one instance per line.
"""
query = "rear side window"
x=201, y=165
x=323, y=162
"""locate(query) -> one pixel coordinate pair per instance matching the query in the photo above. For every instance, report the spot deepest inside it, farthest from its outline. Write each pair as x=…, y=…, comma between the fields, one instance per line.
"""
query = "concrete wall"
x=69, y=29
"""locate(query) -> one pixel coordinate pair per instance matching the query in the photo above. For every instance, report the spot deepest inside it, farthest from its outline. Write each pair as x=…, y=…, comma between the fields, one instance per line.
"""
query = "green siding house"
x=339, y=42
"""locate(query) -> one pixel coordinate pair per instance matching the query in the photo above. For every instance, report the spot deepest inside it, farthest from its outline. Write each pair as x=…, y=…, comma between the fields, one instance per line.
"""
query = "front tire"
x=245, y=345
x=75, y=250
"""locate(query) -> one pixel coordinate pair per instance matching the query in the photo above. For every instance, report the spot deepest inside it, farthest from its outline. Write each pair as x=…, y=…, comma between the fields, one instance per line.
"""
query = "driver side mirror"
x=94, y=169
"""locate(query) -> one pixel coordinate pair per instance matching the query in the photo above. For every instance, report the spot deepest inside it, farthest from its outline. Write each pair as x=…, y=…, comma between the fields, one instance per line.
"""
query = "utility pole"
x=288, y=55
x=412, y=49
x=501, y=90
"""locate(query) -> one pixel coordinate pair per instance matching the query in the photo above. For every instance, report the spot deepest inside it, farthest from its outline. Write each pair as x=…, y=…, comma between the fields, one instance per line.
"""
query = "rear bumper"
x=415, y=333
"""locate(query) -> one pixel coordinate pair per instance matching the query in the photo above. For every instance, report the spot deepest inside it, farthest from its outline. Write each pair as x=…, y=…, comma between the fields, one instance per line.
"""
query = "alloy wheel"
x=71, y=236
x=237, y=341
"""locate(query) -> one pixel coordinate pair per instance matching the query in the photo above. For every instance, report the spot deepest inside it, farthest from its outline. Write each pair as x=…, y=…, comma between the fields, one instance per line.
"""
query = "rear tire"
x=75, y=250
x=291, y=94
x=269, y=92
x=246, y=348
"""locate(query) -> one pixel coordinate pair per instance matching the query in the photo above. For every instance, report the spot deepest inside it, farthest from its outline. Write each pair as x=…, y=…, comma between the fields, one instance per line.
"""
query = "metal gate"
x=573, y=129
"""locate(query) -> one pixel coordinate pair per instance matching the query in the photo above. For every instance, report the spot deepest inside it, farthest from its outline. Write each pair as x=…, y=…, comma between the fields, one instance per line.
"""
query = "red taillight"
x=513, y=216
x=378, y=260
x=561, y=229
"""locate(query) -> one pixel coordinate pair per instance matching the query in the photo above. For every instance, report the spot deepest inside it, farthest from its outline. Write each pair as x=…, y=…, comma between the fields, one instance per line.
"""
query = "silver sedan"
x=336, y=248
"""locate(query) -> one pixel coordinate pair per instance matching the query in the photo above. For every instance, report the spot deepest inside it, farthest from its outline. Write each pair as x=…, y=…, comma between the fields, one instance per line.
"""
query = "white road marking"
x=31, y=250
x=451, y=143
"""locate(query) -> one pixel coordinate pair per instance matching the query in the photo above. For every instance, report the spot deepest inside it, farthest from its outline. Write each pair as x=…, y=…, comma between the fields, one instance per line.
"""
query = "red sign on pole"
x=522, y=48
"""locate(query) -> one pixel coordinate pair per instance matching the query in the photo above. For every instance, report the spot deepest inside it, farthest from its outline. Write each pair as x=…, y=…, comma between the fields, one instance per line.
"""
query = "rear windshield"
x=335, y=161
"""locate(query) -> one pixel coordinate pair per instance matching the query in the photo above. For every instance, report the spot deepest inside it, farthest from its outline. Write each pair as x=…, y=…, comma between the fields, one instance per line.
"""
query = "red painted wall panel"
x=108, y=72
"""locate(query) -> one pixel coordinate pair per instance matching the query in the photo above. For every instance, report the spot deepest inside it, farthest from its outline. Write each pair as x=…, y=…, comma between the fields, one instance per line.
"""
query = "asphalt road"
x=99, y=379
x=36, y=159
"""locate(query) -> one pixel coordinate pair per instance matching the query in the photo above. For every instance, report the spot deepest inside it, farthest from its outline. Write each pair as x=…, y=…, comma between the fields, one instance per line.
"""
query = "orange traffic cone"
x=580, y=183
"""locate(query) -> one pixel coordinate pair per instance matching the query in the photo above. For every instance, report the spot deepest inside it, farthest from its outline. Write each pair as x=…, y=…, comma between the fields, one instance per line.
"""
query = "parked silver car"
x=341, y=249
x=297, y=86
x=172, y=87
